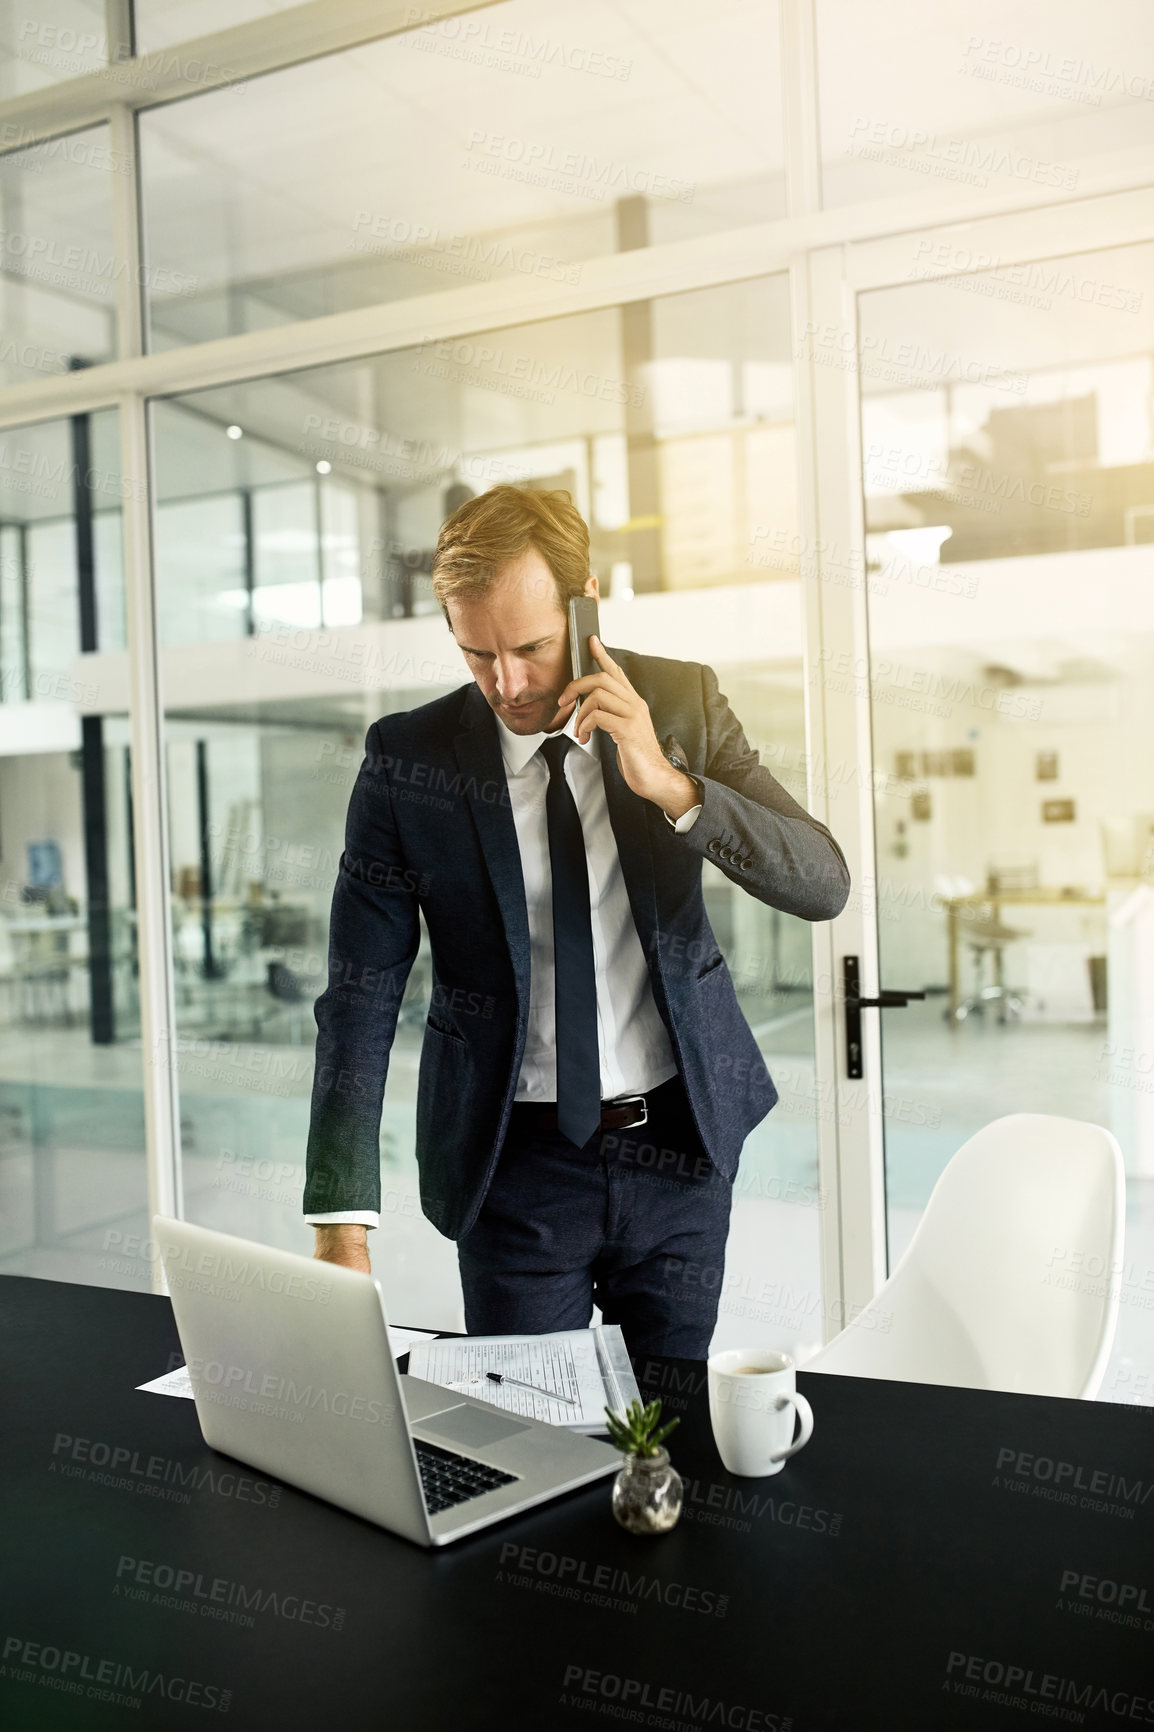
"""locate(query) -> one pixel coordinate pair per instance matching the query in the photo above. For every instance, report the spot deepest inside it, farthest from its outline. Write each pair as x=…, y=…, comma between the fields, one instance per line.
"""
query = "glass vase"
x=647, y=1493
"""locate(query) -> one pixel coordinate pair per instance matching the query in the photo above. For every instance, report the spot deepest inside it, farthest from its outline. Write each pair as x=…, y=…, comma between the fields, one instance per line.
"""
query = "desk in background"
x=927, y=1541
x=42, y=964
x=956, y=908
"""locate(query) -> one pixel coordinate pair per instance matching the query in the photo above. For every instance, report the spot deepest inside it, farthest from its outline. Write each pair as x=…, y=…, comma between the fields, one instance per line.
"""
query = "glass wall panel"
x=671, y=424
x=972, y=95
x=43, y=471
x=58, y=270
x=40, y=46
x=73, y=1191
x=514, y=141
x=164, y=23
x=1011, y=575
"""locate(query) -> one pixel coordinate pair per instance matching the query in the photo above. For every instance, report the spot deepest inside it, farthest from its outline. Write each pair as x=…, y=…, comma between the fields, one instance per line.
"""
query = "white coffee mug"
x=752, y=1401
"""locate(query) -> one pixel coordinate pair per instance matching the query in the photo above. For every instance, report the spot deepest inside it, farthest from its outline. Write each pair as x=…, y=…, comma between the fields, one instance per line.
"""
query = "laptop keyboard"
x=449, y=1479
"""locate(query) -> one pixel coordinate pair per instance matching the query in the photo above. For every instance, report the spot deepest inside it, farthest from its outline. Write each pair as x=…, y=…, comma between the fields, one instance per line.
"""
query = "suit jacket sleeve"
x=755, y=831
x=374, y=934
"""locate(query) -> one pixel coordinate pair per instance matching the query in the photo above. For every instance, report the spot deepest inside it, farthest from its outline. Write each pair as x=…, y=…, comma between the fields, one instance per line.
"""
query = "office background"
x=853, y=381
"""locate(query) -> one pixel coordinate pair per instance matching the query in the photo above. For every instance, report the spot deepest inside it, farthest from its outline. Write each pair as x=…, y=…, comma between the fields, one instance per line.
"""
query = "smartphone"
x=582, y=624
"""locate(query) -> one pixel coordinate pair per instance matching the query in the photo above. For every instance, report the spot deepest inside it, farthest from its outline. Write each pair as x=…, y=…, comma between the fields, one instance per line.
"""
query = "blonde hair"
x=487, y=532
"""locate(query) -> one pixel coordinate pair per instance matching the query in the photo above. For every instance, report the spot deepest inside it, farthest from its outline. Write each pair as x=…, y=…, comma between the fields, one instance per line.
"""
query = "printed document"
x=589, y=1366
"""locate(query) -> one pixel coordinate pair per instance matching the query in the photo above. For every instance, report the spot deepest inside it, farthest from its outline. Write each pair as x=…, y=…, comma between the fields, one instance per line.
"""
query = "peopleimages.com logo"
x=1008, y=1685
x=221, y=1268
x=102, y=1679
x=278, y=1395
x=1071, y=1482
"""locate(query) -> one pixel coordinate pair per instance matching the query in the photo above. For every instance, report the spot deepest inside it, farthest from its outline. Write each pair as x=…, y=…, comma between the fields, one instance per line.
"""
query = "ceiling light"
x=235, y=432
x=324, y=467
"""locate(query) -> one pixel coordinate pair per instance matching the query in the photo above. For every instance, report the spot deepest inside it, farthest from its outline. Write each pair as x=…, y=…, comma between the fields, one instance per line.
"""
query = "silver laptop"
x=292, y=1371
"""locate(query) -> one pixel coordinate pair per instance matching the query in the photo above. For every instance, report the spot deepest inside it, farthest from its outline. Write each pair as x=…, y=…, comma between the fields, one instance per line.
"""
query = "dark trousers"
x=635, y=1222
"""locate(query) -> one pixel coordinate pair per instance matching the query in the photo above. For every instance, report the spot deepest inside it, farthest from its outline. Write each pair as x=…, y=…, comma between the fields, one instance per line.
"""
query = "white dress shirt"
x=632, y=1040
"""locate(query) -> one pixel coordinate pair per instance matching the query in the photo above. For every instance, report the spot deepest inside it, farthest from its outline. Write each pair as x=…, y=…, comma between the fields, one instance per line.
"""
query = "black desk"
x=889, y=1578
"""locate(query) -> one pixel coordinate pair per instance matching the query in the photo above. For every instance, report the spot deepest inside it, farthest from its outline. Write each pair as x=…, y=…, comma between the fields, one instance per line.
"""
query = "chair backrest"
x=1011, y=1278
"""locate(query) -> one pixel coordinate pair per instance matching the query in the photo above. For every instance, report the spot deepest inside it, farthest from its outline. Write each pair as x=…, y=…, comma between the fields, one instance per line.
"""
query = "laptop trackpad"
x=471, y=1426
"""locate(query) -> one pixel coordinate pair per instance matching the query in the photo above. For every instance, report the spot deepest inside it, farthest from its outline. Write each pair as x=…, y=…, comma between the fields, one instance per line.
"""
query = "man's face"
x=515, y=639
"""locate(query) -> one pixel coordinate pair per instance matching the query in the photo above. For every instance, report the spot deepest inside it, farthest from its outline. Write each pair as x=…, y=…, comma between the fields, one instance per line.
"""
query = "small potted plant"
x=647, y=1491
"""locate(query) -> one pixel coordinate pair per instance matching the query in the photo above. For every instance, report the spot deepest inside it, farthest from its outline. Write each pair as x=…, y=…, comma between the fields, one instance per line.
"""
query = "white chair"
x=1011, y=1278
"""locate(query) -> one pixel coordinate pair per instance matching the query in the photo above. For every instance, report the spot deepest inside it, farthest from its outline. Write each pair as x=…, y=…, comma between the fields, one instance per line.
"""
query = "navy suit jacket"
x=430, y=828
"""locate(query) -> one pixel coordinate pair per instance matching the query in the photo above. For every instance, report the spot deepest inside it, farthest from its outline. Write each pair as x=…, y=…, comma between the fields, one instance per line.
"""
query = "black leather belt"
x=619, y=1115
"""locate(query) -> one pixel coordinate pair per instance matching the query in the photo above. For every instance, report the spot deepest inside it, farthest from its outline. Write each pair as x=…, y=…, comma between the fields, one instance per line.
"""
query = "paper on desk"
x=175, y=1382
x=178, y=1382
x=563, y=1364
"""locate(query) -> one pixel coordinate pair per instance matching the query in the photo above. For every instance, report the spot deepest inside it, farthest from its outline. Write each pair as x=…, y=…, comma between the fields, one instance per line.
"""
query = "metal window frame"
x=832, y=256
x=145, y=718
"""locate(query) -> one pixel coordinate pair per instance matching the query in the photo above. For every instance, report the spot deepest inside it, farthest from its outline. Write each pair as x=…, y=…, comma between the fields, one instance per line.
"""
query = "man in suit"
x=587, y=1078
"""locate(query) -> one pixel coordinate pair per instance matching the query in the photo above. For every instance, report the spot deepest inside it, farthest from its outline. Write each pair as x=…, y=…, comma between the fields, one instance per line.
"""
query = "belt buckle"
x=629, y=1100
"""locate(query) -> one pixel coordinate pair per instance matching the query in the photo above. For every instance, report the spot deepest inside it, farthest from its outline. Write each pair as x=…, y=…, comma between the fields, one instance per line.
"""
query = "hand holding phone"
x=619, y=708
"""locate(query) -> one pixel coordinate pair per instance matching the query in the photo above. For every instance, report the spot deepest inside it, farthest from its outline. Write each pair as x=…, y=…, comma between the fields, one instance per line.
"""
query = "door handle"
x=855, y=1004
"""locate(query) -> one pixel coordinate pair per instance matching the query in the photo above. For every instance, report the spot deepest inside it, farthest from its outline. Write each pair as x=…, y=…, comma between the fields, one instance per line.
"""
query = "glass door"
x=1008, y=465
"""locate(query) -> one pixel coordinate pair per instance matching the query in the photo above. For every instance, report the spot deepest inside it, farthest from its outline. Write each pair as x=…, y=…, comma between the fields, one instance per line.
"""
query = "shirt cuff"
x=686, y=821
x=346, y=1217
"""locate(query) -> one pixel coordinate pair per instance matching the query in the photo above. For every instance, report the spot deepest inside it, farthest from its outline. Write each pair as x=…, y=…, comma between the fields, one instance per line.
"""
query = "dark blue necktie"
x=578, y=1064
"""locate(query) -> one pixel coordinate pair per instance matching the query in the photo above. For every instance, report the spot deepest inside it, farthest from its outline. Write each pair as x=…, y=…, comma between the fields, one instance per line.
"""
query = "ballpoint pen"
x=549, y=1394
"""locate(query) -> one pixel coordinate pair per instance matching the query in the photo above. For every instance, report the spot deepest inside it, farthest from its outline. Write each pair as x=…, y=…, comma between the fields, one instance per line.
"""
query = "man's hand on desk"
x=345, y=1243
